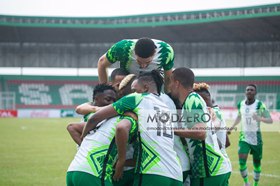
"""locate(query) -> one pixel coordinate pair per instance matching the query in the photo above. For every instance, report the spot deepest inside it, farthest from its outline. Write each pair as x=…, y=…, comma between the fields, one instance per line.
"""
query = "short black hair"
x=100, y=88
x=145, y=47
x=253, y=85
x=152, y=76
x=118, y=72
x=185, y=76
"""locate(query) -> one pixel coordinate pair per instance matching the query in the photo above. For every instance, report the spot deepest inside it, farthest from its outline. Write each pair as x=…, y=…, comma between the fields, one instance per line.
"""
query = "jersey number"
x=248, y=121
x=162, y=125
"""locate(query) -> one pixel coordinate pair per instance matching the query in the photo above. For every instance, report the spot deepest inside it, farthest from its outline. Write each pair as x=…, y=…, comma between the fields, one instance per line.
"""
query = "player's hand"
x=256, y=117
x=119, y=170
x=212, y=113
x=132, y=115
x=228, y=132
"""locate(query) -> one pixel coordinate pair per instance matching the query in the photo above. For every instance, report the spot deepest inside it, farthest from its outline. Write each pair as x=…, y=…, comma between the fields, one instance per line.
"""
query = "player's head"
x=147, y=82
x=145, y=50
x=251, y=91
x=181, y=78
x=125, y=86
x=203, y=90
x=104, y=94
x=116, y=77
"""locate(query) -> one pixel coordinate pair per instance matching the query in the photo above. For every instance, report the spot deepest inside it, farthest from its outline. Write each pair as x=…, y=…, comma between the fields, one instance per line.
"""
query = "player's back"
x=98, y=150
x=157, y=139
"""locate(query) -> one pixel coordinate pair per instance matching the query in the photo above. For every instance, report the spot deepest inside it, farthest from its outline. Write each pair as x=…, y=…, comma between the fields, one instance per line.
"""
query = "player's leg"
x=69, y=179
x=82, y=178
x=220, y=180
x=185, y=175
x=243, y=151
x=257, y=156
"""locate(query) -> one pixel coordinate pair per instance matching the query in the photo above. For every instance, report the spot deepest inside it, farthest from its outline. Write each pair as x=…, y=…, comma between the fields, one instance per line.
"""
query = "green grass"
x=39, y=151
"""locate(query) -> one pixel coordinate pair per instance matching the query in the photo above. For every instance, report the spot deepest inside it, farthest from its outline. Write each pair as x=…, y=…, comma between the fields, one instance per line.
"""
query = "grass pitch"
x=39, y=151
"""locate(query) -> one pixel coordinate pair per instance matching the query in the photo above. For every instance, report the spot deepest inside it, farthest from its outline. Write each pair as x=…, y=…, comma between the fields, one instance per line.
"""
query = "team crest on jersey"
x=247, y=110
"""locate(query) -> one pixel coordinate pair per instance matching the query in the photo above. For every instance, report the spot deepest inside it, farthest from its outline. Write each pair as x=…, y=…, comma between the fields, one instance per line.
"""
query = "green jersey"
x=205, y=156
x=155, y=135
x=98, y=151
x=250, y=128
x=222, y=133
x=123, y=52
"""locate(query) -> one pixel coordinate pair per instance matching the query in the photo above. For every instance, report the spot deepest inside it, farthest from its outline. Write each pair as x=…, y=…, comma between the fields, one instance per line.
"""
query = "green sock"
x=257, y=172
x=243, y=169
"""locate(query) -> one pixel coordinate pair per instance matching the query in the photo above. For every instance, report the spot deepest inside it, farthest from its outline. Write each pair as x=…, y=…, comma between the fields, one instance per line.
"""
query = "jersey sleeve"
x=218, y=113
x=134, y=127
x=263, y=111
x=128, y=103
x=238, y=107
x=120, y=51
x=166, y=55
x=193, y=111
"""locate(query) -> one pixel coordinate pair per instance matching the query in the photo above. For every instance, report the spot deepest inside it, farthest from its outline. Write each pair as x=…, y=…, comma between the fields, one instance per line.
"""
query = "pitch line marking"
x=267, y=175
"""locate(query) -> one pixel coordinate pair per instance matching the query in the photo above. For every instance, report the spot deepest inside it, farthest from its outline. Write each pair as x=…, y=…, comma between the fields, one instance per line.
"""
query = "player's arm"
x=86, y=108
x=217, y=124
x=236, y=122
x=265, y=120
x=99, y=116
x=75, y=130
x=196, y=132
x=102, y=66
x=121, y=137
x=227, y=141
x=167, y=74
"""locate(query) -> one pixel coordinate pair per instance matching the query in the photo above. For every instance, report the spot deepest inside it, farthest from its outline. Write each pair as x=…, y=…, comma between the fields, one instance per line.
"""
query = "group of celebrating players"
x=129, y=135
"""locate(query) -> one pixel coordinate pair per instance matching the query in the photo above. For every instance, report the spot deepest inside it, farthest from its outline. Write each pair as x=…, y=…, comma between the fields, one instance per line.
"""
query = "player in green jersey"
x=251, y=112
x=137, y=56
x=220, y=124
x=75, y=129
x=117, y=76
x=128, y=175
x=157, y=162
x=208, y=164
x=102, y=95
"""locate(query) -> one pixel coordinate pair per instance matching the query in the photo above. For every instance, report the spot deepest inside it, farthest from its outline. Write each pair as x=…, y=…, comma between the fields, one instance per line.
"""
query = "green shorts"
x=127, y=180
x=220, y=180
x=155, y=180
x=185, y=175
x=77, y=178
x=245, y=148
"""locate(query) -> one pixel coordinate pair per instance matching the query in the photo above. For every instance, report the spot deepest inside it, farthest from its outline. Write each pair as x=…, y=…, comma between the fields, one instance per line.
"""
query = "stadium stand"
x=226, y=38
x=67, y=92
x=237, y=37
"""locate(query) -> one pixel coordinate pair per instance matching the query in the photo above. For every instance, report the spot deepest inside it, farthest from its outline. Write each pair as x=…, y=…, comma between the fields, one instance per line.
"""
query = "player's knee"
x=242, y=161
x=257, y=164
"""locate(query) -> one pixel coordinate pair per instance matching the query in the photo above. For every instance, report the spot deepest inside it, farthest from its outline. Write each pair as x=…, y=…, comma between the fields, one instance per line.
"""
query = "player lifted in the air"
x=251, y=112
x=137, y=56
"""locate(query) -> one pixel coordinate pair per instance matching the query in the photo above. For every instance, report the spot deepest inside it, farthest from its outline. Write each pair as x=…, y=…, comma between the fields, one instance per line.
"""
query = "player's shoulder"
x=218, y=112
x=260, y=105
x=193, y=100
x=124, y=44
x=134, y=97
x=162, y=45
x=168, y=101
x=240, y=103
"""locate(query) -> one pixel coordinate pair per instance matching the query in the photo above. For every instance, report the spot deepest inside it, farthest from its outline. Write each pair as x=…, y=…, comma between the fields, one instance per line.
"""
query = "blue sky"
x=109, y=8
